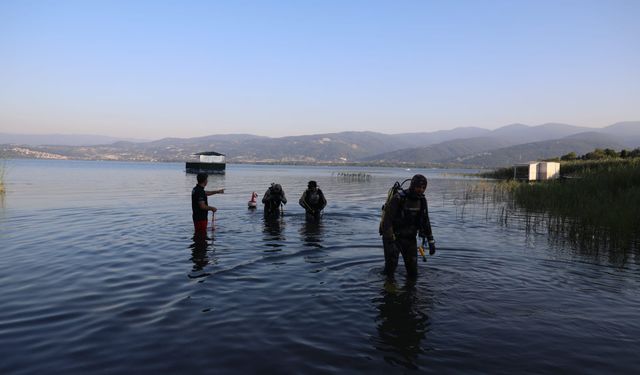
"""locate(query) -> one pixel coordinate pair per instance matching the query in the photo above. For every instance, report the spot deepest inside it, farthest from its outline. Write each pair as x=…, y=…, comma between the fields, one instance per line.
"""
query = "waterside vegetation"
x=604, y=197
x=599, y=198
x=572, y=165
x=2, y=175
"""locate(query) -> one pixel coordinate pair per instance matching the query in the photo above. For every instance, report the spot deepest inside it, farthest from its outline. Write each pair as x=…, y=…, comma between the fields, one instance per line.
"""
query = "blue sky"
x=152, y=69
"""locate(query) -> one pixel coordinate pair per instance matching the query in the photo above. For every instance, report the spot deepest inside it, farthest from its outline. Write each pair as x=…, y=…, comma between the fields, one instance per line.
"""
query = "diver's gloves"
x=432, y=246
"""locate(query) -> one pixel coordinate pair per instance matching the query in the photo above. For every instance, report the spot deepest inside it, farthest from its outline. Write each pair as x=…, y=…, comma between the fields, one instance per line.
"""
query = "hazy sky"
x=152, y=69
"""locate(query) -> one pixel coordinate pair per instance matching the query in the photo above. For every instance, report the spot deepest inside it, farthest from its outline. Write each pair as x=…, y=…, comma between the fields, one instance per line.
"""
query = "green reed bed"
x=604, y=196
x=582, y=167
x=2, y=169
x=596, y=204
x=571, y=168
x=500, y=173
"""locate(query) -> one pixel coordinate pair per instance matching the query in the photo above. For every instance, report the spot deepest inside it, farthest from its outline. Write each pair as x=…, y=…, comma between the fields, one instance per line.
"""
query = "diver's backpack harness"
x=274, y=202
x=397, y=187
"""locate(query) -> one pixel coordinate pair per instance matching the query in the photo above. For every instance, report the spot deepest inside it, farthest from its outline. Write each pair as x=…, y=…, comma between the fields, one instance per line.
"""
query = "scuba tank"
x=397, y=187
x=314, y=197
x=275, y=199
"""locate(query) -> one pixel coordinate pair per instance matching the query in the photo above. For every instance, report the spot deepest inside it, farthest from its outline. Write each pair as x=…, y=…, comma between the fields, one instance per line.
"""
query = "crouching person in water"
x=200, y=205
x=273, y=198
x=406, y=215
x=313, y=201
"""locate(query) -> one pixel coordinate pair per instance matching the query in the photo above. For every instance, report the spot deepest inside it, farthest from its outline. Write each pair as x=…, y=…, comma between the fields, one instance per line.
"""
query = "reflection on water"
x=273, y=230
x=200, y=255
x=312, y=232
x=402, y=323
x=94, y=258
x=487, y=201
x=312, y=236
x=564, y=233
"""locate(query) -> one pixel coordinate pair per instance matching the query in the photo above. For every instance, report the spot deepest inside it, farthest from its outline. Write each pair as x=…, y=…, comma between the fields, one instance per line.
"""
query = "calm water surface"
x=99, y=273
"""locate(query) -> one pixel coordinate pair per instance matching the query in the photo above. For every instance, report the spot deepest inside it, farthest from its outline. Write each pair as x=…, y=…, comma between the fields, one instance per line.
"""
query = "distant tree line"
x=599, y=154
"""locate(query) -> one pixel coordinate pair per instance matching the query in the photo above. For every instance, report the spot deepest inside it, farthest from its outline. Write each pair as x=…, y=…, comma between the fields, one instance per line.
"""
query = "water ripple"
x=104, y=276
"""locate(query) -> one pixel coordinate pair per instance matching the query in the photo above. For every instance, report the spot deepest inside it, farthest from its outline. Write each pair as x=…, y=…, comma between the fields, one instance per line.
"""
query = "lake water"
x=99, y=273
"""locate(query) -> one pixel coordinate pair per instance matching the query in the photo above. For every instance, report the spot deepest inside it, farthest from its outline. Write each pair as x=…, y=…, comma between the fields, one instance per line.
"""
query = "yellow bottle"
x=421, y=250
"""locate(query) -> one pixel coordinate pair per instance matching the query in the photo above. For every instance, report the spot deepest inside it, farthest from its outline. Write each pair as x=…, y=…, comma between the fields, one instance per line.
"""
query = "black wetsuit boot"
x=391, y=254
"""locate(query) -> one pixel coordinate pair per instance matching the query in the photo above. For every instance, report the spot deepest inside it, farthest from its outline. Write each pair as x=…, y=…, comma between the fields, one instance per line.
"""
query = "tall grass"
x=602, y=203
x=607, y=194
x=597, y=209
x=584, y=167
x=2, y=174
x=505, y=173
x=569, y=168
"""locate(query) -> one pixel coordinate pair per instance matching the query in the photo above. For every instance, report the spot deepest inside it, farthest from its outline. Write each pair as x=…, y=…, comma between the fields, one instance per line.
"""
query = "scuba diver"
x=313, y=201
x=404, y=215
x=273, y=199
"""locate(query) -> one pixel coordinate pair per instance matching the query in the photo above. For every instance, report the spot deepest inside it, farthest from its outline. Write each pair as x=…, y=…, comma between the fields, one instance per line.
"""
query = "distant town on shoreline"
x=470, y=147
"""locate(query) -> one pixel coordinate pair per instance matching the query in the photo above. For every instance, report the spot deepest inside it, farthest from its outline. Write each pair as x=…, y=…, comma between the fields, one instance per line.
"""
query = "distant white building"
x=208, y=162
x=525, y=171
x=211, y=158
x=537, y=171
x=548, y=170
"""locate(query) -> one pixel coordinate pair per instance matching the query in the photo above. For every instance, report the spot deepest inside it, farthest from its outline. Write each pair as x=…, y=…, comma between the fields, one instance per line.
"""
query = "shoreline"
x=283, y=163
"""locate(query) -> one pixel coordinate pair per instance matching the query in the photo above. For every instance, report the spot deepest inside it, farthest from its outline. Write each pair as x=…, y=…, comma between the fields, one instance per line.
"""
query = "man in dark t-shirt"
x=200, y=205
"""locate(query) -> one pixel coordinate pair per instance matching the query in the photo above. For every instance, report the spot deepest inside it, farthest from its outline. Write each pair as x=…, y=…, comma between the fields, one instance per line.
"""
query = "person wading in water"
x=273, y=198
x=200, y=205
x=404, y=215
x=313, y=201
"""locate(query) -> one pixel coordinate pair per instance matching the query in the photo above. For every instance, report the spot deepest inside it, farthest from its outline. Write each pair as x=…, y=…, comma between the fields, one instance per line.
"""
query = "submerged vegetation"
x=597, y=202
x=2, y=171
x=352, y=176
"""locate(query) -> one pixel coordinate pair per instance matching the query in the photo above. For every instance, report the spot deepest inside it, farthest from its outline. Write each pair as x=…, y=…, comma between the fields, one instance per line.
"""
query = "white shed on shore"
x=548, y=170
x=534, y=170
x=525, y=171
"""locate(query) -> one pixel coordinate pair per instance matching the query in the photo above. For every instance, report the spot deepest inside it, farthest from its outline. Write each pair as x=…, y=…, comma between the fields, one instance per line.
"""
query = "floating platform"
x=209, y=162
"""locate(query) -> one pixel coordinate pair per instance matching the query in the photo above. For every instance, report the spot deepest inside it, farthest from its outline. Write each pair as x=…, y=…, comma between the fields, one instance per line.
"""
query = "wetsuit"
x=272, y=200
x=199, y=215
x=404, y=216
x=313, y=202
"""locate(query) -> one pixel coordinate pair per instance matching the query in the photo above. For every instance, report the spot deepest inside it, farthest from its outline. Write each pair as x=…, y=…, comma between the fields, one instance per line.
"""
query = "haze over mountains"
x=62, y=139
x=469, y=146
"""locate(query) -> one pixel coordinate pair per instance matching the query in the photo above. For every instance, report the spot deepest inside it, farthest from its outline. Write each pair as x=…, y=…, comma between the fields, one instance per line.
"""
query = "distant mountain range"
x=62, y=139
x=518, y=143
x=470, y=146
x=579, y=143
